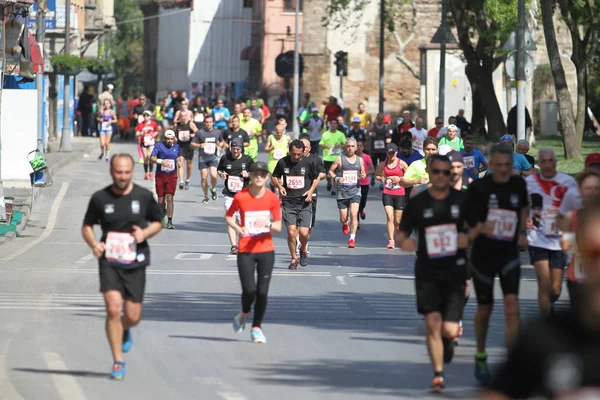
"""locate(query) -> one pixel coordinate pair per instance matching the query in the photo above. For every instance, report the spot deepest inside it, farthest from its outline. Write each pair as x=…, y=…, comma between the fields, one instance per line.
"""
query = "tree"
x=126, y=45
x=582, y=20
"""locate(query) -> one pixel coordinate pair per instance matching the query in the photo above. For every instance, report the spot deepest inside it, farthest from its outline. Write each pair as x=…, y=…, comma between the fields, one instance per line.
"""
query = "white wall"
x=19, y=132
x=172, y=54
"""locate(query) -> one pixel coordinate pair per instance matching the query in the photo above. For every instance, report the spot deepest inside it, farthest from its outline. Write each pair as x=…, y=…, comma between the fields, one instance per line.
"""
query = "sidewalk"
x=56, y=161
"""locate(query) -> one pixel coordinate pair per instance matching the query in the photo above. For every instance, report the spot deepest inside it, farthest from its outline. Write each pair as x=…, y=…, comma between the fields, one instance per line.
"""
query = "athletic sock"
x=352, y=236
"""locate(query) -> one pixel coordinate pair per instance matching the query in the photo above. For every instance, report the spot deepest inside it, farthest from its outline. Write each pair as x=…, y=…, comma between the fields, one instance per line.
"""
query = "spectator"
x=439, y=124
x=444, y=131
x=523, y=148
x=462, y=123
x=511, y=122
x=365, y=117
x=332, y=110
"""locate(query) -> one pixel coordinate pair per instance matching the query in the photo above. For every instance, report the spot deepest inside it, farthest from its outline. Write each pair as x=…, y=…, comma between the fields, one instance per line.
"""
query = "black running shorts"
x=397, y=202
x=298, y=213
x=486, y=265
x=130, y=282
x=446, y=296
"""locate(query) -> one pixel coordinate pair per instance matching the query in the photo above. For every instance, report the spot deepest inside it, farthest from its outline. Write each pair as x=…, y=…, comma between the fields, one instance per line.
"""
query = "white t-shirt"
x=418, y=137
x=551, y=192
x=571, y=201
x=444, y=131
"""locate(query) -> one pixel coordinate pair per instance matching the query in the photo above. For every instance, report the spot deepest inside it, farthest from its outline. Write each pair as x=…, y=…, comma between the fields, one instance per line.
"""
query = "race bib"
x=234, y=183
x=441, y=240
x=379, y=144
x=350, y=177
x=334, y=151
x=278, y=154
x=257, y=222
x=210, y=148
x=550, y=225
x=106, y=125
x=167, y=165
x=120, y=247
x=418, y=144
x=149, y=140
x=219, y=116
x=469, y=162
x=294, y=182
x=391, y=186
x=199, y=117
x=140, y=119
x=184, y=136
x=505, y=224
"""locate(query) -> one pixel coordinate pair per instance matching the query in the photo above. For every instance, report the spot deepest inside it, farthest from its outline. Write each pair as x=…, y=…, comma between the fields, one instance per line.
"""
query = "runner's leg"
x=204, y=179
x=292, y=234
x=113, y=300
x=246, y=263
x=389, y=213
x=264, y=268
x=170, y=206
x=353, y=219
x=542, y=271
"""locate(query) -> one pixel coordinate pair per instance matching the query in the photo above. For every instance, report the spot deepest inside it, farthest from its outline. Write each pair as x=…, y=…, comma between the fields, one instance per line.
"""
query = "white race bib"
x=120, y=247
x=550, y=226
x=167, y=165
x=184, y=136
x=140, y=119
x=234, y=183
x=505, y=223
x=350, y=177
x=210, y=148
x=441, y=240
x=333, y=151
x=149, y=140
x=294, y=182
x=379, y=144
x=106, y=125
x=257, y=222
x=469, y=162
x=391, y=186
x=278, y=154
x=199, y=117
x=219, y=116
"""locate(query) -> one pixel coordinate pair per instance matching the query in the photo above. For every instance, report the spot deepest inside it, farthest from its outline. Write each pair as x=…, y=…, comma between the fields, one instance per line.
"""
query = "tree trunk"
x=565, y=108
x=477, y=116
x=581, y=111
x=150, y=49
x=490, y=105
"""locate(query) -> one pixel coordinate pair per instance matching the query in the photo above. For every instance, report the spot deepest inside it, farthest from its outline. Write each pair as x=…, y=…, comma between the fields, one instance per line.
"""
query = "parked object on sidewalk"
x=37, y=161
x=41, y=179
x=17, y=217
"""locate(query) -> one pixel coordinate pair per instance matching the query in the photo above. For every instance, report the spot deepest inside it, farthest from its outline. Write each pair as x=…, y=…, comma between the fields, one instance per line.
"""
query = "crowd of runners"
x=467, y=217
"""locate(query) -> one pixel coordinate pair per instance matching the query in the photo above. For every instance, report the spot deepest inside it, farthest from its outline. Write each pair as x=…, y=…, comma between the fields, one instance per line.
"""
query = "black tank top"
x=183, y=134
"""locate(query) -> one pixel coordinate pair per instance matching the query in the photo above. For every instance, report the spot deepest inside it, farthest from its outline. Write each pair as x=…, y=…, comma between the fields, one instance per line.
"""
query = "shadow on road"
x=82, y=374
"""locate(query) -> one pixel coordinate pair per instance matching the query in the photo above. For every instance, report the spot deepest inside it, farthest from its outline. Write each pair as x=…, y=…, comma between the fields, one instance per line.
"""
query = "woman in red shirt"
x=260, y=214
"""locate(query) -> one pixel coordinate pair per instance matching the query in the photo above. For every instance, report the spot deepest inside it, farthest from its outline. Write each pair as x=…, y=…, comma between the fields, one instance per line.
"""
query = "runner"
x=128, y=216
x=169, y=165
x=419, y=134
x=351, y=170
x=296, y=173
x=521, y=166
x=254, y=130
x=475, y=162
x=556, y=357
x=438, y=215
x=260, y=214
x=379, y=136
x=314, y=125
x=236, y=132
x=546, y=190
x=355, y=131
x=390, y=173
x=451, y=139
x=208, y=140
x=498, y=211
x=364, y=183
x=277, y=147
x=186, y=130
x=147, y=131
x=572, y=200
x=107, y=117
x=183, y=112
x=233, y=169
x=416, y=174
x=331, y=142
x=408, y=155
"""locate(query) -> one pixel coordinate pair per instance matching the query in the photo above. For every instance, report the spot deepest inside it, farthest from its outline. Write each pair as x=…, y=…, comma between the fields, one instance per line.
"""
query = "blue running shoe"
x=127, y=341
x=239, y=323
x=118, y=371
x=482, y=372
x=257, y=336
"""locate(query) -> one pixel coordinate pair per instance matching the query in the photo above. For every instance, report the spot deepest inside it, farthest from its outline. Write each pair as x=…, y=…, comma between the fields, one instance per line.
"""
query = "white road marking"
x=7, y=390
x=85, y=259
x=340, y=280
x=223, y=389
x=67, y=387
x=172, y=272
x=49, y=225
x=404, y=277
x=231, y=257
x=193, y=256
x=282, y=247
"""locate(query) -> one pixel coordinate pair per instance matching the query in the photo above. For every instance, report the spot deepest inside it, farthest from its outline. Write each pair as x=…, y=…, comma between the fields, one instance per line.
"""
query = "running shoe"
x=205, y=200
x=234, y=250
x=345, y=229
x=100, y=157
x=293, y=265
x=257, y=336
x=372, y=180
x=303, y=258
x=438, y=384
x=118, y=371
x=107, y=160
x=381, y=186
x=181, y=185
x=127, y=340
x=170, y=225
x=363, y=215
x=482, y=372
x=187, y=185
x=448, y=350
x=333, y=192
x=329, y=187
x=391, y=244
x=460, y=333
x=239, y=323
x=151, y=176
x=351, y=244
x=146, y=176
x=214, y=193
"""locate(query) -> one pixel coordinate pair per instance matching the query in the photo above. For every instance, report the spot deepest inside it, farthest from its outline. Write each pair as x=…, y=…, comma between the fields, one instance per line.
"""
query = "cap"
x=453, y=127
x=593, y=158
x=110, y=86
x=148, y=112
x=313, y=109
x=387, y=119
x=237, y=142
x=169, y=133
x=356, y=119
x=444, y=149
x=506, y=137
x=455, y=156
x=391, y=147
x=258, y=166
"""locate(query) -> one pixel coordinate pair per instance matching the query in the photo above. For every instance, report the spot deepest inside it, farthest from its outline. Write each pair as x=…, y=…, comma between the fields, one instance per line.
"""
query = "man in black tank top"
x=379, y=137
x=185, y=131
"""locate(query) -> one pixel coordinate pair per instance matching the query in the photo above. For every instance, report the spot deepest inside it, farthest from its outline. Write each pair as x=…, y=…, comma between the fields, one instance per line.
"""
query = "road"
x=345, y=327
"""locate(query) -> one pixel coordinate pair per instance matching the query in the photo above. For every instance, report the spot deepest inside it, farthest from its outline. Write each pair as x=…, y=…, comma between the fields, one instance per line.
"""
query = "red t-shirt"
x=256, y=215
x=148, y=130
x=332, y=111
x=406, y=127
x=433, y=132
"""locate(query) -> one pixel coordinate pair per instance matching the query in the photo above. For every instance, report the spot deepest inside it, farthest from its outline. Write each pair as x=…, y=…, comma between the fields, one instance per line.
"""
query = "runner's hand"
x=529, y=223
x=308, y=196
x=242, y=232
x=565, y=244
x=462, y=241
x=98, y=250
x=363, y=175
x=488, y=227
x=223, y=175
x=282, y=191
x=244, y=174
x=474, y=172
x=340, y=181
x=523, y=240
x=409, y=245
x=138, y=234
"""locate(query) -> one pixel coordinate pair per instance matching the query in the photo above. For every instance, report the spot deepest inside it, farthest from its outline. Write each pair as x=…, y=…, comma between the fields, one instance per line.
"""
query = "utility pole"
x=39, y=77
x=381, y=51
x=296, y=94
x=442, y=79
x=65, y=140
x=521, y=78
x=2, y=60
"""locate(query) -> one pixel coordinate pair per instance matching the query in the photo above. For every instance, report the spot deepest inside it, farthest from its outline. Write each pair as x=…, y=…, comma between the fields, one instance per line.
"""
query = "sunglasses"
x=436, y=171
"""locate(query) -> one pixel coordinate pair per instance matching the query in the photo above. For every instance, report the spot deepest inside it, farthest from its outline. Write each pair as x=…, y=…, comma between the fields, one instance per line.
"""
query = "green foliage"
x=67, y=62
x=542, y=78
x=99, y=65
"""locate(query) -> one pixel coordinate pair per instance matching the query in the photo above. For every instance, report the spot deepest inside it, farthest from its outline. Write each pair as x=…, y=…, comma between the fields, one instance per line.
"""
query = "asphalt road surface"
x=345, y=327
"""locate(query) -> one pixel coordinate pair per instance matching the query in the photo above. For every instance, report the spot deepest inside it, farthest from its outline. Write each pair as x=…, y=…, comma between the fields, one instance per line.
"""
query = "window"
x=247, y=3
x=290, y=5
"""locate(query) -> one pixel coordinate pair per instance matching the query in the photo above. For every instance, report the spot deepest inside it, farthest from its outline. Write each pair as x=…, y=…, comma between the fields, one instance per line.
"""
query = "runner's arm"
x=194, y=128
x=114, y=118
x=379, y=175
x=363, y=172
x=333, y=168
x=269, y=146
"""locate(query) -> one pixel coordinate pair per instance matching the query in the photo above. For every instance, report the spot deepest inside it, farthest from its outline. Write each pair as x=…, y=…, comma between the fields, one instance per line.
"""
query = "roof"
x=24, y=2
x=174, y=3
